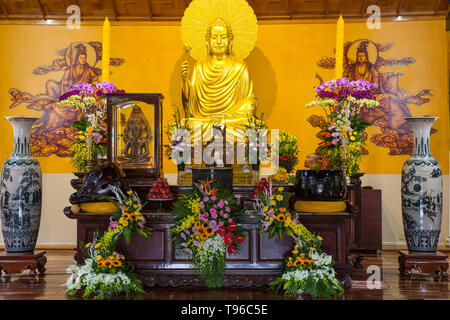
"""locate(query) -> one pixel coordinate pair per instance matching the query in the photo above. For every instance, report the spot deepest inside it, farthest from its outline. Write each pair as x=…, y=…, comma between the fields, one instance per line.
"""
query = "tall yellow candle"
x=339, y=58
x=105, y=50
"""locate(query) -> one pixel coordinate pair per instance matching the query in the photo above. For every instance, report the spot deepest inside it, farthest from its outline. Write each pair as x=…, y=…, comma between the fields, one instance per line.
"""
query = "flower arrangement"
x=257, y=146
x=174, y=133
x=90, y=101
x=272, y=209
x=344, y=133
x=105, y=272
x=206, y=229
x=307, y=270
x=288, y=151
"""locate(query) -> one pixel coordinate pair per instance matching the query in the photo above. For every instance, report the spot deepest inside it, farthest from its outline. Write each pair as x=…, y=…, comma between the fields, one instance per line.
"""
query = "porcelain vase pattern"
x=422, y=191
x=21, y=191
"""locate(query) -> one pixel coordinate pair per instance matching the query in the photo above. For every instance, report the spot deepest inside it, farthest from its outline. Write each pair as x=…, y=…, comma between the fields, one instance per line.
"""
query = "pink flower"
x=212, y=210
x=221, y=212
x=225, y=216
x=221, y=223
x=213, y=198
x=220, y=204
x=205, y=199
x=214, y=215
x=112, y=224
x=202, y=206
x=227, y=209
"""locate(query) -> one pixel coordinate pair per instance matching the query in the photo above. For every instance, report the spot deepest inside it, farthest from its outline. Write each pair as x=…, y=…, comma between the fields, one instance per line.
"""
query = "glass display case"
x=135, y=134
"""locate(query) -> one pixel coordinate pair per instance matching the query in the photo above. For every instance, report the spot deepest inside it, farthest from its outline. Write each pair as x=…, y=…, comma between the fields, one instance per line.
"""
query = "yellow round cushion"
x=320, y=206
x=98, y=207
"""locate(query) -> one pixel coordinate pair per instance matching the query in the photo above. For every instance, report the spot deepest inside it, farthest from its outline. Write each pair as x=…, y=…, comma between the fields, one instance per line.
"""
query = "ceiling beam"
x=291, y=8
x=325, y=12
x=116, y=16
x=42, y=10
x=150, y=14
x=361, y=10
x=397, y=11
x=5, y=9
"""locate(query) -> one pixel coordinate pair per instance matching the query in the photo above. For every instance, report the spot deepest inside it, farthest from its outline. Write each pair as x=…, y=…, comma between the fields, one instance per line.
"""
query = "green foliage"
x=288, y=151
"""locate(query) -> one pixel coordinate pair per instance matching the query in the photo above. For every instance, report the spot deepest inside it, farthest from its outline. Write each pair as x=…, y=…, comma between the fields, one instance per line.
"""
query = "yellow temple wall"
x=283, y=66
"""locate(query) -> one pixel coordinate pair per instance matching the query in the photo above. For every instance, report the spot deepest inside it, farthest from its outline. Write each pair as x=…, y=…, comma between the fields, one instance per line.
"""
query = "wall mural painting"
x=362, y=60
x=53, y=133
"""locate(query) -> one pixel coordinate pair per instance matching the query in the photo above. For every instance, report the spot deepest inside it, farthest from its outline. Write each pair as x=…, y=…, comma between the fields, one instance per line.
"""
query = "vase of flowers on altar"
x=256, y=144
x=287, y=158
x=343, y=132
x=179, y=145
x=89, y=146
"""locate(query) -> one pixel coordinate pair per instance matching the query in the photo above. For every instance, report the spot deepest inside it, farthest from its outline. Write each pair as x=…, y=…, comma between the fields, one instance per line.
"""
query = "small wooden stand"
x=17, y=262
x=431, y=263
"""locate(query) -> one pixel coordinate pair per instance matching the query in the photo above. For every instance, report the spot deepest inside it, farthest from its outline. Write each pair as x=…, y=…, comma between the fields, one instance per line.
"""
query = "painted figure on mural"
x=362, y=60
x=52, y=133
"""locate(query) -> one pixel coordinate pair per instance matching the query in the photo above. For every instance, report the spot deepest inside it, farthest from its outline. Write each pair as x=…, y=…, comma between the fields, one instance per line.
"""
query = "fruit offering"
x=160, y=190
x=260, y=187
x=280, y=176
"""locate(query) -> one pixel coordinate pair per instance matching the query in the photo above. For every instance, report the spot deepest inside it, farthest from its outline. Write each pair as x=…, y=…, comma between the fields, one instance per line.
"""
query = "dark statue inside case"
x=135, y=135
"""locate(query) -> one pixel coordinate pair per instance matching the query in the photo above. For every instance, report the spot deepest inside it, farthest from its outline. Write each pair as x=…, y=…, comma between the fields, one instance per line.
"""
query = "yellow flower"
x=121, y=220
x=81, y=138
x=273, y=202
x=98, y=258
x=295, y=251
x=281, y=217
x=98, y=245
x=289, y=263
x=352, y=138
x=296, y=246
x=283, y=209
x=270, y=219
x=88, y=245
x=279, y=197
x=266, y=208
x=320, y=238
x=125, y=216
x=125, y=223
x=280, y=189
x=134, y=199
x=129, y=192
x=287, y=222
x=89, y=131
x=271, y=197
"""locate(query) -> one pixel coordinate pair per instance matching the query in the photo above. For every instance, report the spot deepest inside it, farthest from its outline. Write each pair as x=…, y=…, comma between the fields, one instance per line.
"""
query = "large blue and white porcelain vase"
x=21, y=191
x=422, y=191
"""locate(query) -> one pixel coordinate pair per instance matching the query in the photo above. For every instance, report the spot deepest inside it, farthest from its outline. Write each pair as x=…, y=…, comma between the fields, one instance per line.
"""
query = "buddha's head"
x=219, y=38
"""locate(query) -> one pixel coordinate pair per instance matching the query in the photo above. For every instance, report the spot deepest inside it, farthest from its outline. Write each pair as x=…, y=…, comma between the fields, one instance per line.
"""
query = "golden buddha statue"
x=219, y=84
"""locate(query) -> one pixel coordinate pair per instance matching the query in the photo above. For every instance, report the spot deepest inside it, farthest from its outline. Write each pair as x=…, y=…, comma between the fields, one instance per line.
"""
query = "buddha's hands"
x=185, y=65
x=184, y=70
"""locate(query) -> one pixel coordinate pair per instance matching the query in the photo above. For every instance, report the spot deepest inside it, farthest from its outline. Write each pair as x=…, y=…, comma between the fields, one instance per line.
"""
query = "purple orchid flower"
x=68, y=94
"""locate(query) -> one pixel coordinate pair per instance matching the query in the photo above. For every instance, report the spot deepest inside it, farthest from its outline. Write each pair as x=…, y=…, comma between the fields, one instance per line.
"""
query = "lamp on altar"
x=339, y=57
x=105, y=50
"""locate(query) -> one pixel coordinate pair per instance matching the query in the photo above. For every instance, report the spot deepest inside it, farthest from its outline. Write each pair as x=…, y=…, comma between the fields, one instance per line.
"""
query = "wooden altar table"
x=259, y=262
